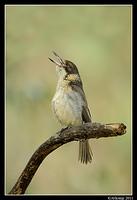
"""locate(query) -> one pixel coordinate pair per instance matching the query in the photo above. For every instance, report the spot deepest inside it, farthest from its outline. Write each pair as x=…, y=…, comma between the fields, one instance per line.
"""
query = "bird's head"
x=65, y=68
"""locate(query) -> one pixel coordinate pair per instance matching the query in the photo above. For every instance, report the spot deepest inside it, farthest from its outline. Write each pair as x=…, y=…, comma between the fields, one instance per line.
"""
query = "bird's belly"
x=67, y=108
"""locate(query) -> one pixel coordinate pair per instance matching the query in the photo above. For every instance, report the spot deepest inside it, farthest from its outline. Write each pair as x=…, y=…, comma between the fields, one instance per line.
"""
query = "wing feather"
x=77, y=87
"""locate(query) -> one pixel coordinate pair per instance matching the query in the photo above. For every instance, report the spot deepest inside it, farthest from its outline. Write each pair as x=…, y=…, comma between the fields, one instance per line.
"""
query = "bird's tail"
x=85, y=152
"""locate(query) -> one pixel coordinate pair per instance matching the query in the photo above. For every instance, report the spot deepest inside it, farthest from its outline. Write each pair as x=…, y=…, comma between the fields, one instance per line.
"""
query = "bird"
x=69, y=103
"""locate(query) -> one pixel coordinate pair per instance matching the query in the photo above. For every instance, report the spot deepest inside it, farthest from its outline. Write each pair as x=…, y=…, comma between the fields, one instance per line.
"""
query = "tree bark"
x=74, y=133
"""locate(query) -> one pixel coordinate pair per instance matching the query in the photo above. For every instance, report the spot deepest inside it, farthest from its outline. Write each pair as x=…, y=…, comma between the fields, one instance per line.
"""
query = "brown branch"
x=74, y=133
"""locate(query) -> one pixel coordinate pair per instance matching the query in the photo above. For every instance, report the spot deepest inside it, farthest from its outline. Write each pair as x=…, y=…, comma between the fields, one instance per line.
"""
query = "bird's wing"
x=77, y=87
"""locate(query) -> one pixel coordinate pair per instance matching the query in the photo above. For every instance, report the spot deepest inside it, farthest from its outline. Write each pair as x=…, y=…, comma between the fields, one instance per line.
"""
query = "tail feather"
x=85, y=152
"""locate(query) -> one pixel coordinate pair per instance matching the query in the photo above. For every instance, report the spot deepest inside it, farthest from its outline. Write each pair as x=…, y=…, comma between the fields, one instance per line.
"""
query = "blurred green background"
x=98, y=40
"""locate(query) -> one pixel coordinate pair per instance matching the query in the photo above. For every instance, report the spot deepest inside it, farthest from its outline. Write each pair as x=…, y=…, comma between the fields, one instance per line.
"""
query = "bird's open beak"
x=61, y=64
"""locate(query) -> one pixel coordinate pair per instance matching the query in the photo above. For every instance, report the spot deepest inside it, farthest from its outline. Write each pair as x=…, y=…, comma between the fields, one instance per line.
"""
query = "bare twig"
x=86, y=131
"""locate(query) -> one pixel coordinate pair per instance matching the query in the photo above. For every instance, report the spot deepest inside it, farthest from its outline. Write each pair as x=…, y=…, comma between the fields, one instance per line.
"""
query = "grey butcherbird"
x=69, y=103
